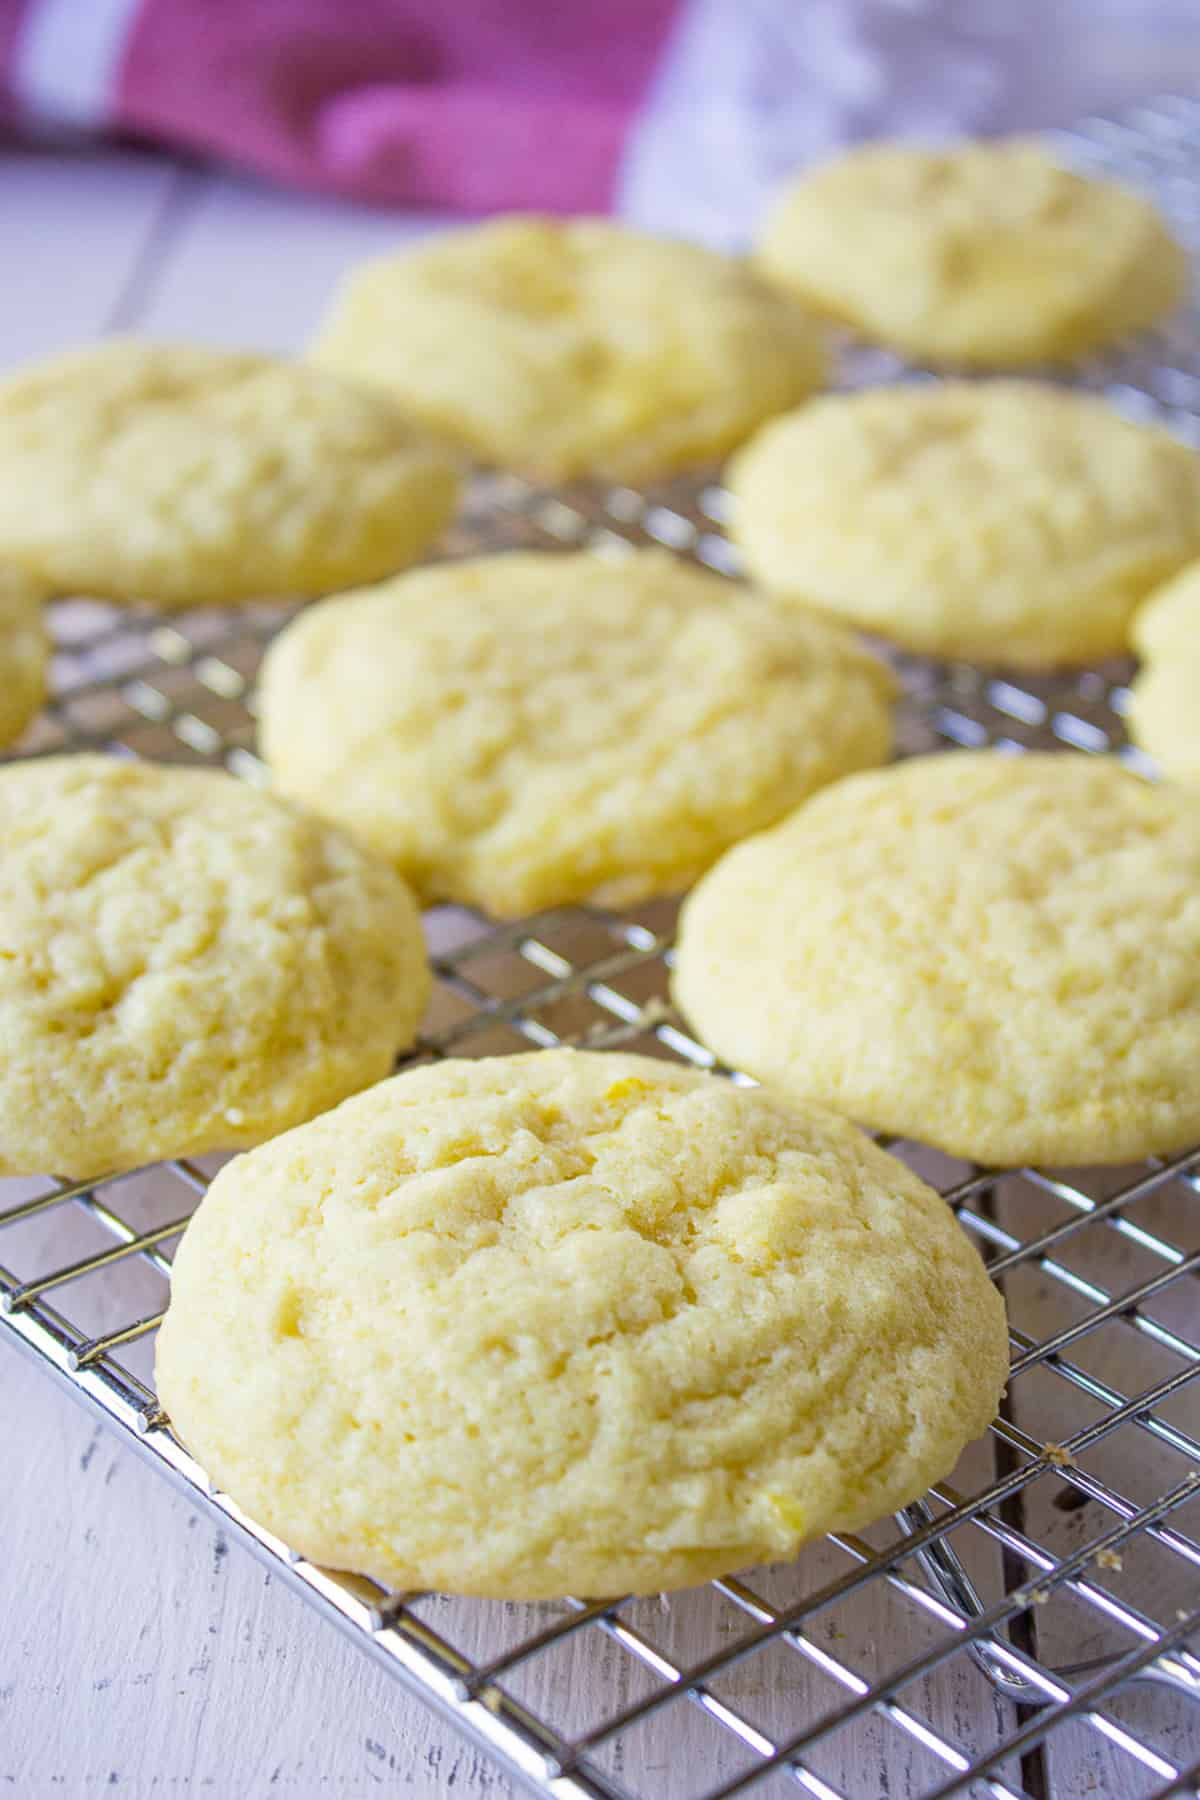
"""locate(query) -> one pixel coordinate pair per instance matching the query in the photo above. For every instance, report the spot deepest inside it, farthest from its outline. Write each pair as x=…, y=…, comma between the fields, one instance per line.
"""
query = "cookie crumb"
x=1110, y=1559
x=1056, y=1455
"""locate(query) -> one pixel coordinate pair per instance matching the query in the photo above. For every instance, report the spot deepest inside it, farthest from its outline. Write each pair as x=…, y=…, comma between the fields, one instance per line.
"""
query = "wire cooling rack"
x=1023, y=1631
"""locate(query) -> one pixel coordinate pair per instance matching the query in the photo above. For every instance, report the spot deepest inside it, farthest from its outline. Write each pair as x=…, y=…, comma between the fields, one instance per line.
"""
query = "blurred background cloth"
x=679, y=114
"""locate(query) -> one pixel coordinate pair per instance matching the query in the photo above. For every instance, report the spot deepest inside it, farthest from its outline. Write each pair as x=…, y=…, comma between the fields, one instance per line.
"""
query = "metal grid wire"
x=1023, y=1631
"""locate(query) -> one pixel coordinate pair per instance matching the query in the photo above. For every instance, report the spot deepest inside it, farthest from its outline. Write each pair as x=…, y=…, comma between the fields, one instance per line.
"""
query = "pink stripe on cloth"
x=504, y=103
x=12, y=20
x=474, y=148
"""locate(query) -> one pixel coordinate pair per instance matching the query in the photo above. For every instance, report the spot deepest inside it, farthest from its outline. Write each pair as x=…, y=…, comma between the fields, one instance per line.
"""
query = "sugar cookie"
x=1007, y=521
x=984, y=254
x=24, y=652
x=577, y=347
x=573, y=1322
x=186, y=964
x=1164, y=706
x=998, y=955
x=184, y=476
x=529, y=729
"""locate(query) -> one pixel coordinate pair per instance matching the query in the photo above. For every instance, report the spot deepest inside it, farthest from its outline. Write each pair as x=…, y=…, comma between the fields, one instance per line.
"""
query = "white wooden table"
x=138, y=1653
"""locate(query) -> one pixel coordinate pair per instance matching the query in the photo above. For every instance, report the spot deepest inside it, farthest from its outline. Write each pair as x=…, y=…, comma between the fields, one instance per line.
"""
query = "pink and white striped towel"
x=679, y=113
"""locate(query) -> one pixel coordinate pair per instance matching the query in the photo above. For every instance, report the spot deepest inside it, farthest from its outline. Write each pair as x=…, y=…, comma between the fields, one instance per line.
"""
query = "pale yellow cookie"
x=574, y=1322
x=184, y=476
x=1164, y=706
x=524, y=730
x=186, y=964
x=24, y=652
x=1006, y=522
x=576, y=347
x=998, y=955
x=984, y=254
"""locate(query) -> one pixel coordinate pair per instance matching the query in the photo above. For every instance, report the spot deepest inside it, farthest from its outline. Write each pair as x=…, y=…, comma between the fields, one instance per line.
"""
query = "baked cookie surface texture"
x=535, y=728
x=1003, y=521
x=997, y=955
x=1164, y=709
x=565, y=348
x=573, y=1322
x=186, y=964
x=24, y=652
x=183, y=476
x=983, y=254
